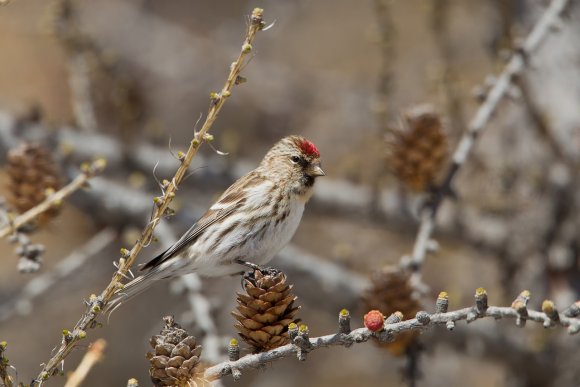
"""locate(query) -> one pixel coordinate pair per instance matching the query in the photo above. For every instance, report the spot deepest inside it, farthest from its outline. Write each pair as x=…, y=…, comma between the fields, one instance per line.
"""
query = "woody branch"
x=390, y=327
x=89, y=170
x=496, y=94
x=162, y=203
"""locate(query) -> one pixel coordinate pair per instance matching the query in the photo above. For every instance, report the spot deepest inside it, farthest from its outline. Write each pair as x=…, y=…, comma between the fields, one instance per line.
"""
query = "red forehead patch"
x=309, y=148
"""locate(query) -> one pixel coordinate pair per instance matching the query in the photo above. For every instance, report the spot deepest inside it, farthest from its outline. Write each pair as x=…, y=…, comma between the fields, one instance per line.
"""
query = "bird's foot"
x=272, y=271
x=250, y=275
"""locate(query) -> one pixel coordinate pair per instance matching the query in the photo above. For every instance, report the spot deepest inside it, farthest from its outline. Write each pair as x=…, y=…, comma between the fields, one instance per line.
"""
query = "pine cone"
x=390, y=292
x=419, y=152
x=175, y=358
x=265, y=311
x=32, y=172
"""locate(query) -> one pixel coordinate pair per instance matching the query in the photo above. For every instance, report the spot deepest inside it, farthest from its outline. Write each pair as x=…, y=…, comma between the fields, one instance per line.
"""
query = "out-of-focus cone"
x=175, y=359
x=390, y=292
x=419, y=150
x=265, y=310
x=33, y=175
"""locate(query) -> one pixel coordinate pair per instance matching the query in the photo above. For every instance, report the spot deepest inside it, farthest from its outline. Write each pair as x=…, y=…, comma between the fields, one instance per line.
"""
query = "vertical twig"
x=161, y=204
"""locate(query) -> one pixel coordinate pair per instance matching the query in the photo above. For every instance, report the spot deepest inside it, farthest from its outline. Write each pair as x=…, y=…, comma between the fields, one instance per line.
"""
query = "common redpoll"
x=248, y=225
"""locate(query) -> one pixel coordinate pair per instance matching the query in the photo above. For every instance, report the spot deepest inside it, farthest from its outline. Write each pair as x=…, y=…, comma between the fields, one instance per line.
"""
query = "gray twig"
x=422, y=322
x=22, y=303
x=482, y=117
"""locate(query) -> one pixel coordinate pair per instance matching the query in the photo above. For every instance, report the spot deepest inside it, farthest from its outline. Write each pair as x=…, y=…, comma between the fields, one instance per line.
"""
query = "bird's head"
x=296, y=161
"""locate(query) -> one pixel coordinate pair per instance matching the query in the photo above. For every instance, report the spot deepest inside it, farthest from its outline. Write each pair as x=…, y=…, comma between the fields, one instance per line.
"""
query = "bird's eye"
x=295, y=159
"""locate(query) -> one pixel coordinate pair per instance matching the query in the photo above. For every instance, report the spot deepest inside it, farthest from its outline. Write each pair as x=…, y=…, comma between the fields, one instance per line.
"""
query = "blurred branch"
x=542, y=123
x=89, y=170
x=320, y=278
x=200, y=309
x=199, y=314
x=335, y=195
x=120, y=205
x=78, y=47
x=95, y=307
x=383, y=105
x=92, y=357
x=80, y=85
x=482, y=117
x=387, y=48
x=39, y=285
x=440, y=12
x=393, y=326
x=526, y=365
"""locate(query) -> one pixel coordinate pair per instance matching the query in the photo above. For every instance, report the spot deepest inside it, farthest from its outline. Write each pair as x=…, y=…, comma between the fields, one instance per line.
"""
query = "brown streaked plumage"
x=250, y=222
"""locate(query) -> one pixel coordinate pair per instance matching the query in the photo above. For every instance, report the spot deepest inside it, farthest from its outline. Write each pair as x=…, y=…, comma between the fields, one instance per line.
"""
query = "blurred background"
x=127, y=80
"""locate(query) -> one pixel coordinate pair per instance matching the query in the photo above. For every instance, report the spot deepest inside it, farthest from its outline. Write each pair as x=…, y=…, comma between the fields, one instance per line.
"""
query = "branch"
x=121, y=205
x=319, y=278
x=393, y=326
x=199, y=313
x=78, y=47
x=92, y=357
x=40, y=284
x=57, y=197
x=96, y=304
x=336, y=195
x=482, y=117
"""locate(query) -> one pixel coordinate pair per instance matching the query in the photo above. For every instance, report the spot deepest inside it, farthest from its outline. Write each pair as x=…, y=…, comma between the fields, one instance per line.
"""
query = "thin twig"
x=57, y=197
x=92, y=357
x=421, y=322
x=480, y=120
x=161, y=205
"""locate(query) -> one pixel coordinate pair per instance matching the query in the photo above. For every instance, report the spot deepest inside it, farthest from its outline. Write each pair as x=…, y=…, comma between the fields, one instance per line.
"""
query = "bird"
x=248, y=224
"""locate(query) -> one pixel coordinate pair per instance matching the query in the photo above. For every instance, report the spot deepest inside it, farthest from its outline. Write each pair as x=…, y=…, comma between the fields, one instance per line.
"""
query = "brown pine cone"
x=175, y=358
x=33, y=173
x=390, y=292
x=265, y=310
x=418, y=152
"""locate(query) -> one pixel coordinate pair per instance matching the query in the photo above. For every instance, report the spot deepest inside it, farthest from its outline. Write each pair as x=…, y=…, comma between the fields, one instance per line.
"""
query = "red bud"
x=374, y=321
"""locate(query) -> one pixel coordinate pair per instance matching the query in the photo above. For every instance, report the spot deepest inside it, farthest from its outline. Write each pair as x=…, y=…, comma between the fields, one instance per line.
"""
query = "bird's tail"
x=133, y=288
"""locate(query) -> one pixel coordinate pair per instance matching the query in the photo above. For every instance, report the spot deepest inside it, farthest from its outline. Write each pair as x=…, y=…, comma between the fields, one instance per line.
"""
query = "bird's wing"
x=231, y=200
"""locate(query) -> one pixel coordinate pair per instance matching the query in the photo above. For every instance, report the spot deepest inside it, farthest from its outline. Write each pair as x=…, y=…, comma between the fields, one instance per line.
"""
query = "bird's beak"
x=315, y=170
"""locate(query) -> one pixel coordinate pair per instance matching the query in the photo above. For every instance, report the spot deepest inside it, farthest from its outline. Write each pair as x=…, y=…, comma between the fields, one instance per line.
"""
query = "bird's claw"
x=250, y=275
x=272, y=271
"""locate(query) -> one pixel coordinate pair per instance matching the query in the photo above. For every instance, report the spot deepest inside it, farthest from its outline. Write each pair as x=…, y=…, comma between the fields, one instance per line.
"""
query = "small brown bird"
x=248, y=225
